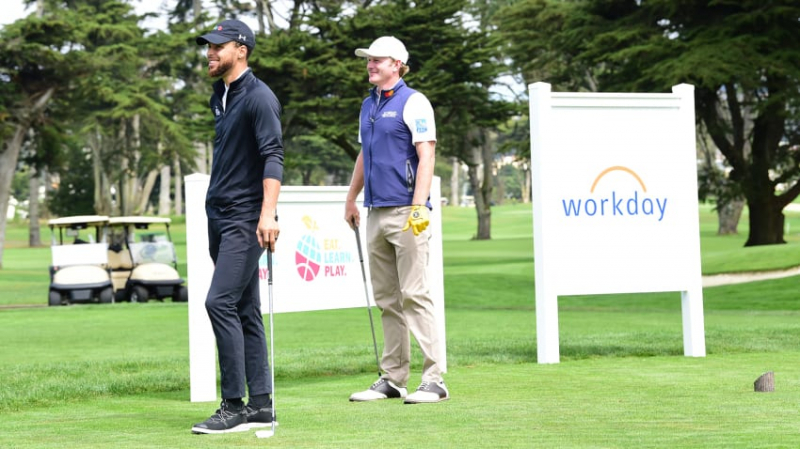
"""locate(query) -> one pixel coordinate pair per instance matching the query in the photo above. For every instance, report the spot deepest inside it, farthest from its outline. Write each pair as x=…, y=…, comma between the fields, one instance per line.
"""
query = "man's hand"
x=417, y=220
x=351, y=215
x=267, y=232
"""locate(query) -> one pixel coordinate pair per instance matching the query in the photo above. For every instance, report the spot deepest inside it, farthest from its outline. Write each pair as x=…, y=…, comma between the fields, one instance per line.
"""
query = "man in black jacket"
x=241, y=205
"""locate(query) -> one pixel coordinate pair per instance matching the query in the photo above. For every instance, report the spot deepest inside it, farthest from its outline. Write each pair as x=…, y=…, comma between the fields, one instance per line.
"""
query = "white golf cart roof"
x=137, y=220
x=88, y=220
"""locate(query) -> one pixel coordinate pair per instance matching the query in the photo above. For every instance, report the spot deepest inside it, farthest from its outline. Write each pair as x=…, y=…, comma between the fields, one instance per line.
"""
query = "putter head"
x=268, y=433
x=265, y=433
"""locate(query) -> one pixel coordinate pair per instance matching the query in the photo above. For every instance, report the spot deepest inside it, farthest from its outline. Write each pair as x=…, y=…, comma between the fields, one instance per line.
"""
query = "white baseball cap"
x=385, y=47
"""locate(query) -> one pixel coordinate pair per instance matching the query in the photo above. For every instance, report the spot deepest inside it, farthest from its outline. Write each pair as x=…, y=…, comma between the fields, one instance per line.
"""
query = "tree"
x=447, y=57
x=312, y=160
x=739, y=56
x=35, y=58
x=131, y=120
x=75, y=194
x=714, y=183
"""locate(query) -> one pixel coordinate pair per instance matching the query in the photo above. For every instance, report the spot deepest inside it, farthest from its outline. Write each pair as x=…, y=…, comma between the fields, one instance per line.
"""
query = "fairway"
x=98, y=376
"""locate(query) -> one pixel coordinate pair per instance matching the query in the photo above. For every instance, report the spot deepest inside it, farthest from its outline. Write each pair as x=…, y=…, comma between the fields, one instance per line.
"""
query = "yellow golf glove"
x=418, y=219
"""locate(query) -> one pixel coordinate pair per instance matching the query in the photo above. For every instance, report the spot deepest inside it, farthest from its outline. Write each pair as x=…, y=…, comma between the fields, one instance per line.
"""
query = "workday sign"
x=620, y=204
x=614, y=202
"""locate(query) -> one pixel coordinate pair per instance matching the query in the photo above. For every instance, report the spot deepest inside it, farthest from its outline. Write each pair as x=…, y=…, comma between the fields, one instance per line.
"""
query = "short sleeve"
x=418, y=116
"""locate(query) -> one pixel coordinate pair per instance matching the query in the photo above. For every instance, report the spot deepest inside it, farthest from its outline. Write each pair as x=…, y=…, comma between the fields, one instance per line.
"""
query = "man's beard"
x=222, y=67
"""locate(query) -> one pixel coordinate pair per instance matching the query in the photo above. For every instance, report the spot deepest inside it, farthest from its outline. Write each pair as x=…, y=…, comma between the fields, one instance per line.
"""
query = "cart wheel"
x=139, y=294
x=107, y=295
x=54, y=298
x=181, y=294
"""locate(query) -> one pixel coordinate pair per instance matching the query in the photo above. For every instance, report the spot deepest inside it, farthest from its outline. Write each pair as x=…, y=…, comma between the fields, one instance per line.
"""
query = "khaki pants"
x=398, y=261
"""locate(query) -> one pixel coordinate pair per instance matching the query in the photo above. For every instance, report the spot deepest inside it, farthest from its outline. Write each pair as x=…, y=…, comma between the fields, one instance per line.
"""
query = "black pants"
x=234, y=307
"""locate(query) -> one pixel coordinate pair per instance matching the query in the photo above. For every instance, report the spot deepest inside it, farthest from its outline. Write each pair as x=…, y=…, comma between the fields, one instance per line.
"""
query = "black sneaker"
x=429, y=392
x=228, y=418
x=382, y=389
x=259, y=417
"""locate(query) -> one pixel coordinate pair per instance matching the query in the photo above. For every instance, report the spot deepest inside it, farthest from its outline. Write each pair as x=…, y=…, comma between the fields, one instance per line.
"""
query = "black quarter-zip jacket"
x=248, y=147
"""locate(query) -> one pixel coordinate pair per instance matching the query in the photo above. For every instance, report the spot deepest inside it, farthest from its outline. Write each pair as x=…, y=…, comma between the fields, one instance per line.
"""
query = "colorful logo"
x=308, y=257
x=319, y=256
x=622, y=203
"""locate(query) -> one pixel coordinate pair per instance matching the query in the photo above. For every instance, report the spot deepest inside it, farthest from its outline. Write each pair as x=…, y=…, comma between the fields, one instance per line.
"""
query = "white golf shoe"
x=428, y=392
x=382, y=389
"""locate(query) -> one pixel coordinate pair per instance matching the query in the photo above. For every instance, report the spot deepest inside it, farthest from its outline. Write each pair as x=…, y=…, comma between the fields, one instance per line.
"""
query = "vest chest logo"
x=216, y=111
x=389, y=114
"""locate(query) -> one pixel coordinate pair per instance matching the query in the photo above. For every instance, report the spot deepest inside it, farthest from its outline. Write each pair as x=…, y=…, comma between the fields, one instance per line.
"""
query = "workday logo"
x=616, y=203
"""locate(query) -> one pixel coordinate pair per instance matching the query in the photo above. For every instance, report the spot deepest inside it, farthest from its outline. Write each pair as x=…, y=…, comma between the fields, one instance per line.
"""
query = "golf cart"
x=79, y=270
x=142, y=260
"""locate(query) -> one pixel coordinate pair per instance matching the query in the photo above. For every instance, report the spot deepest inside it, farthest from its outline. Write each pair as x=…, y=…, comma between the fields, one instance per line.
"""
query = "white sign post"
x=316, y=266
x=614, y=203
x=199, y=269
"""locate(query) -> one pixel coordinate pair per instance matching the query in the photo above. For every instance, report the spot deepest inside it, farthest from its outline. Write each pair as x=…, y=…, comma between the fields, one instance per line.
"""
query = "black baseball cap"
x=229, y=30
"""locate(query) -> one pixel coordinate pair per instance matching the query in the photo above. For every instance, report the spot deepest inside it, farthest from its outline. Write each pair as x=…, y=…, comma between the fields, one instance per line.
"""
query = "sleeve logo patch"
x=421, y=125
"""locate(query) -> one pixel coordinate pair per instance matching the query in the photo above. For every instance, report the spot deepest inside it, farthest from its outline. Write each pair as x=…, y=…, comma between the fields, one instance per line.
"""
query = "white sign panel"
x=316, y=266
x=614, y=202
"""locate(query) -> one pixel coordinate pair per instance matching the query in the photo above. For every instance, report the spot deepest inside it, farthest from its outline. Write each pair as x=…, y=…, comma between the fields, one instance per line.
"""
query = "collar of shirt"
x=227, y=88
x=386, y=94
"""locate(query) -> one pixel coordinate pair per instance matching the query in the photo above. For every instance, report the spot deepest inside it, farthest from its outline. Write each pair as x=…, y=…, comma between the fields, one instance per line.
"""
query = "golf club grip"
x=360, y=256
x=358, y=243
x=269, y=266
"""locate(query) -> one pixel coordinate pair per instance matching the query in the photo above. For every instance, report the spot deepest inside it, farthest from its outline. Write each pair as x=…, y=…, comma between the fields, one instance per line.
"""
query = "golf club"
x=366, y=294
x=271, y=432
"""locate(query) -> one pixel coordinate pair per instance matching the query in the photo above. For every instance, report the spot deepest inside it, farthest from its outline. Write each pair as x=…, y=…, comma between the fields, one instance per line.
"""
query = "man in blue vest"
x=241, y=206
x=397, y=133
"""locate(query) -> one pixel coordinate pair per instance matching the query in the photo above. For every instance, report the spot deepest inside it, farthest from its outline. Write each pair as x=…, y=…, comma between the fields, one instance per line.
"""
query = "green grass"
x=100, y=376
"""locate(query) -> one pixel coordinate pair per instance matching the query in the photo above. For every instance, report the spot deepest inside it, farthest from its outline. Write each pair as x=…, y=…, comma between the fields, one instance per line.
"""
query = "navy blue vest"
x=389, y=156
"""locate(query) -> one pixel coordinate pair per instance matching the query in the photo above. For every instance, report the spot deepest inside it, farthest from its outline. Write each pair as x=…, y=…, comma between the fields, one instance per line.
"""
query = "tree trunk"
x=34, y=232
x=144, y=193
x=128, y=200
x=501, y=188
x=9, y=157
x=123, y=194
x=526, y=183
x=481, y=206
x=47, y=178
x=272, y=26
x=164, y=191
x=138, y=197
x=454, y=181
x=485, y=192
x=201, y=161
x=197, y=10
x=766, y=222
x=101, y=205
x=176, y=164
x=8, y=165
x=766, y=212
x=728, y=216
x=260, y=16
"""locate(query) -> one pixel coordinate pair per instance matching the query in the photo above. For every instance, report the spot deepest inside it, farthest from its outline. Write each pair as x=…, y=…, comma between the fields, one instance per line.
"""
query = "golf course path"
x=739, y=278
